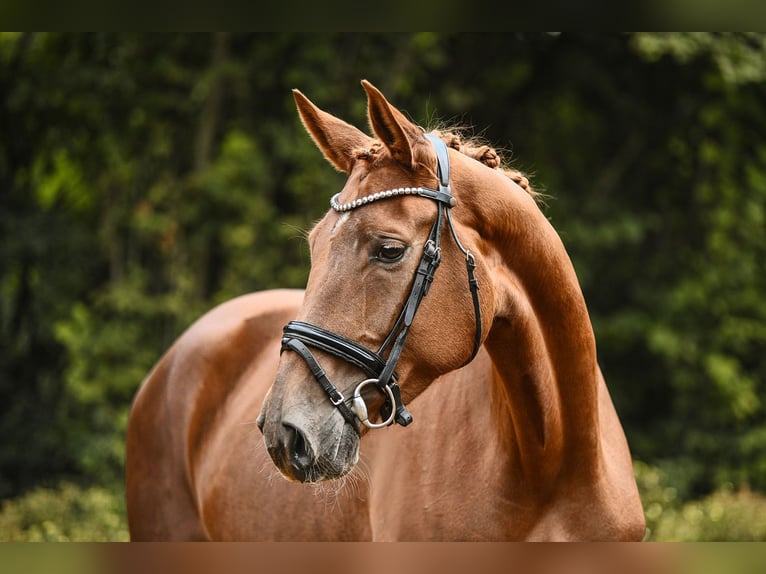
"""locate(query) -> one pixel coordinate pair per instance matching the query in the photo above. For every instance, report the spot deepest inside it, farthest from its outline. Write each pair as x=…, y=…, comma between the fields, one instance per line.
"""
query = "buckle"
x=432, y=251
x=337, y=398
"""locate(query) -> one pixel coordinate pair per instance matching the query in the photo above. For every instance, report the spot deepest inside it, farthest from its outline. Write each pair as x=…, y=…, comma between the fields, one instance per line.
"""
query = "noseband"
x=299, y=336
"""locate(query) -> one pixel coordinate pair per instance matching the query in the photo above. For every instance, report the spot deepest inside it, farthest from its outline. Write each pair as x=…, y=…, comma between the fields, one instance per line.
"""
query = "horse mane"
x=477, y=148
x=474, y=147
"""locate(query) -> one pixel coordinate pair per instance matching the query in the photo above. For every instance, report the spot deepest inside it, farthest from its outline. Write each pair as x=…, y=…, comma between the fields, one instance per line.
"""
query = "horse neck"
x=541, y=341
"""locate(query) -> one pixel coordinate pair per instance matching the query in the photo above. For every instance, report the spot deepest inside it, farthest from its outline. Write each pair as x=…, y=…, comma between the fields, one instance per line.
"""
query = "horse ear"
x=336, y=139
x=391, y=127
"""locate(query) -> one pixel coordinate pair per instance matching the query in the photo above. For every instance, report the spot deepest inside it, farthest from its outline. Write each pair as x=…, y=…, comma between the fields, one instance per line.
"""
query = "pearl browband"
x=421, y=191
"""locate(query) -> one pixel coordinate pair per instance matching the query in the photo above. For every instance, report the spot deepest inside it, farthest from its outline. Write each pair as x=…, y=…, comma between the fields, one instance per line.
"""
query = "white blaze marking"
x=341, y=220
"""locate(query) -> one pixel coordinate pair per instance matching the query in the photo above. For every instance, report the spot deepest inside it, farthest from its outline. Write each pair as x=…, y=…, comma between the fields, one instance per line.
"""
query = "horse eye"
x=390, y=252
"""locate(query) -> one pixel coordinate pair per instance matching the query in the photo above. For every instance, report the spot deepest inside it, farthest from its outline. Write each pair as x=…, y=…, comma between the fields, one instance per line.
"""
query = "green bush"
x=63, y=514
x=725, y=515
x=722, y=516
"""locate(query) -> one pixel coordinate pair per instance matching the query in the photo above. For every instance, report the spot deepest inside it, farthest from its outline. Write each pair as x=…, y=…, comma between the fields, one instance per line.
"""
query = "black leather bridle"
x=299, y=336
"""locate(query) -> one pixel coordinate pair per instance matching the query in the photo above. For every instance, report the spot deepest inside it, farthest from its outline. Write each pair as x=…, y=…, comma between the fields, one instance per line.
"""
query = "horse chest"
x=431, y=486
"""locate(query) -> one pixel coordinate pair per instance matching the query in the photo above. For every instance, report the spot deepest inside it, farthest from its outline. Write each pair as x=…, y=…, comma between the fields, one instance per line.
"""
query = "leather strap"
x=438, y=195
x=350, y=351
x=424, y=276
x=473, y=285
x=442, y=160
x=336, y=397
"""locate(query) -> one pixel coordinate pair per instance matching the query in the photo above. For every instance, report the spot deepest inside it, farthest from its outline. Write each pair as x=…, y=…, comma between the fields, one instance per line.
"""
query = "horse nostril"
x=299, y=450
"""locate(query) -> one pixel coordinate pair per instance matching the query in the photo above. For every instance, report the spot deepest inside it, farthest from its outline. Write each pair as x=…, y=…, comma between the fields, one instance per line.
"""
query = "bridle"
x=299, y=336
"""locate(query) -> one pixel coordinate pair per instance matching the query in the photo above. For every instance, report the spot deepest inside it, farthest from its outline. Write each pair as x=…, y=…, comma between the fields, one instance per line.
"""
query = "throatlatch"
x=298, y=336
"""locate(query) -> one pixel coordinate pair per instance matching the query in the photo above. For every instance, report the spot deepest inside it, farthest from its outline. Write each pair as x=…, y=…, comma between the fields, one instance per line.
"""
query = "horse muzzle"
x=301, y=455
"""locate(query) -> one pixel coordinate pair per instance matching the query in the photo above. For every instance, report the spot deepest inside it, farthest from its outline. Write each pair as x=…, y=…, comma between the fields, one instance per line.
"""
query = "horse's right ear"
x=335, y=138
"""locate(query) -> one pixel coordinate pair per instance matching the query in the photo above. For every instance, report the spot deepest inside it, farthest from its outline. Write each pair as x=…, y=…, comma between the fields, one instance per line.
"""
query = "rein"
x=299, y=336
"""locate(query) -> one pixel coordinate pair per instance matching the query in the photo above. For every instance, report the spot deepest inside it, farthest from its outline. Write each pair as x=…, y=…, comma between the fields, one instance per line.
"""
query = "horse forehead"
x=334, y=229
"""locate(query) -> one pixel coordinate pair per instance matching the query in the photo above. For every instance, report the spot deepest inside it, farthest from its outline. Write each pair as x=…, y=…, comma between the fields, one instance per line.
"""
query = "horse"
x=483, y=414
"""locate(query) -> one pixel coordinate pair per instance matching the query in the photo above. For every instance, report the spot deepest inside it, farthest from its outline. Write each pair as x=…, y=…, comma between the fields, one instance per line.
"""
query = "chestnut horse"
x=514, y=434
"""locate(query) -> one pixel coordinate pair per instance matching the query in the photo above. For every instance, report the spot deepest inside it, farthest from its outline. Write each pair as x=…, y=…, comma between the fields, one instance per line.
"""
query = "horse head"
x=373, y=259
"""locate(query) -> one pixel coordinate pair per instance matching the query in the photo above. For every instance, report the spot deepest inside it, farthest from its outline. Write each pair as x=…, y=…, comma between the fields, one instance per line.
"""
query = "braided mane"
x=475, y=148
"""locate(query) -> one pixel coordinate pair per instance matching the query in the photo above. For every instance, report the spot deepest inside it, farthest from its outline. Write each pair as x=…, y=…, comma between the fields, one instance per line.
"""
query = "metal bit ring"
x=360, y=408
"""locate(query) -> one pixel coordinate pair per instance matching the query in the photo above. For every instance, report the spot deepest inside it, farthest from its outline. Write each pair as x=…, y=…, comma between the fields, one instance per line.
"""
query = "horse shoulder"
x=601, y=507
x=176, y=407
x=622, y=503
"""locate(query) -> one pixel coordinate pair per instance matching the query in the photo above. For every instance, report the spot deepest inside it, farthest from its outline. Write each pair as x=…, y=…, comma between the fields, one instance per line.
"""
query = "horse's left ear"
x=335, y=138
x=391, y=127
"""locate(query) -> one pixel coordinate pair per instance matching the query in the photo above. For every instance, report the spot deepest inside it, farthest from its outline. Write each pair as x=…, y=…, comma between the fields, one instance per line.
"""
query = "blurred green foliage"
x=725, y=515
x=145, y=178
x=68, y=513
